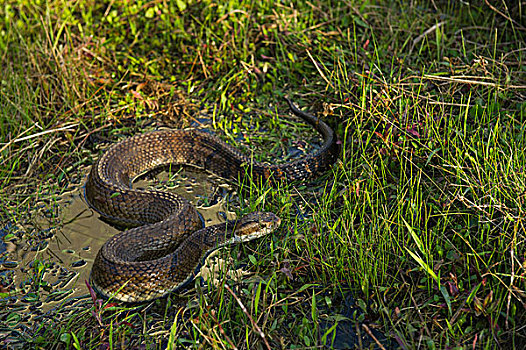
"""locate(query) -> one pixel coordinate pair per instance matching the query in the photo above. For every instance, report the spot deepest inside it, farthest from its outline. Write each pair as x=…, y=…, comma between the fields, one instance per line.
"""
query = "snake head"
x=255, y=225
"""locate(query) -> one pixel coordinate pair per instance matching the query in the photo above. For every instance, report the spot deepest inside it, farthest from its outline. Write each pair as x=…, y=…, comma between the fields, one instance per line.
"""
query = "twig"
x=223, y=332
x=319, y=70
x=81, y=143
x=512, y=279
x=38, y=134
x=508, y=18
x=372, y=336
x=258, y=330
x=424, y=34
x=43, y=150
x=206, y=337
x=474, y=82
x=359, y=336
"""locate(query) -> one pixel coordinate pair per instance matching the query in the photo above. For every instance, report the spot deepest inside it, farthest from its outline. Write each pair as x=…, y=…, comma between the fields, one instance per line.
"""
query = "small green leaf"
x=306, y=339
x=415, y=237
x=181, y=5
x=423, y=265
x=150, y=13
x=65, y=338
x=306, y=286
x=473, y=293
x=8, y=237
x=361, y=304
x=261, y=198
x=329, y=331
x=445, y=294
x=314, y=308
x=76, y=343
x=13, y=319
x=115, y=194
x=252, y=259
x=39, y=340
x=31, y=297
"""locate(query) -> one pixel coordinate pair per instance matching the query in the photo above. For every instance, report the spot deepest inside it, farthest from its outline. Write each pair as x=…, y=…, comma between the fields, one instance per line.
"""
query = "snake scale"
x=166, y=243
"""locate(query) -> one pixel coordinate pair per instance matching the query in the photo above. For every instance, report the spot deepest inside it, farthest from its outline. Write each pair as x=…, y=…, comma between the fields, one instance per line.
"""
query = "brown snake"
x=167, y=244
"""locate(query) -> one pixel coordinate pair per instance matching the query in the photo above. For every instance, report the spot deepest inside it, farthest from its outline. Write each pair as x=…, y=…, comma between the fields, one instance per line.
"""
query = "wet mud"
x=63, y=262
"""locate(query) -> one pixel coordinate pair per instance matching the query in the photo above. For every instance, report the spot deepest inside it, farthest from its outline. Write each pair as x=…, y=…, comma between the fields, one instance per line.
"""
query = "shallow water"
x=65, y=259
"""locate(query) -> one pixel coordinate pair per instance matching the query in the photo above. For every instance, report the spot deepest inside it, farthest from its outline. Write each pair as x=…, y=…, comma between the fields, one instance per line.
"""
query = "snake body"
x=164, y=248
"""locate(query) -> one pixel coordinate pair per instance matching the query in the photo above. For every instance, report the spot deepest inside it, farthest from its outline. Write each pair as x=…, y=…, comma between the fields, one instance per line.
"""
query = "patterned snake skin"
x=167, y=244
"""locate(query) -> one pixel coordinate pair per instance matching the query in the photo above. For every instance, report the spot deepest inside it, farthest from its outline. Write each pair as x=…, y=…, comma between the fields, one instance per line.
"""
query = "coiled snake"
x=167, y=244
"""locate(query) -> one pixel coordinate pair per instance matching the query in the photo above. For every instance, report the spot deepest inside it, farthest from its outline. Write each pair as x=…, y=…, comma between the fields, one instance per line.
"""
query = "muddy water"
x=69, y=254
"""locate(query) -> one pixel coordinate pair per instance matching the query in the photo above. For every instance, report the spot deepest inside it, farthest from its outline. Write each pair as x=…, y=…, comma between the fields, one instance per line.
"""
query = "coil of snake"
x=167, y=242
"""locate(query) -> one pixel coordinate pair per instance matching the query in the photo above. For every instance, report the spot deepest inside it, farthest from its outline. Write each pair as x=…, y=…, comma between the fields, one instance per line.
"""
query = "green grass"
x=421, y=220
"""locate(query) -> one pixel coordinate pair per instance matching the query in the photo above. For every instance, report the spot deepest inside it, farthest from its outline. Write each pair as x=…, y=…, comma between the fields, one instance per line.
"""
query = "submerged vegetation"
x=415, y=240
